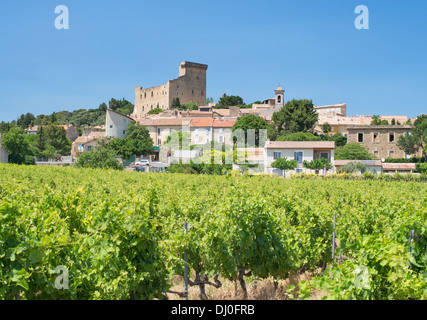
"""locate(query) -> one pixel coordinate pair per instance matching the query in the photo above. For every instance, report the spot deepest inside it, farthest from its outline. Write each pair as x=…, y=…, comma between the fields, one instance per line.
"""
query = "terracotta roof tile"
x=202, y=122
x=224, y=123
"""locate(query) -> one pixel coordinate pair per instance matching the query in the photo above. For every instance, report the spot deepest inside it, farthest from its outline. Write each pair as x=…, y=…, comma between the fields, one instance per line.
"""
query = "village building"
x=401, y=168
x=117, y=124
x=373, y=166
x=335, y=110
x=86, y=142
x=201, y=131
x=381, y=140
x=161, y=128
x=296, y=150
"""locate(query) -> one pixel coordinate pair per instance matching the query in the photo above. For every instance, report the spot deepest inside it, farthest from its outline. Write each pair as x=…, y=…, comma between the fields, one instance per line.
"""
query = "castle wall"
x=189, y=87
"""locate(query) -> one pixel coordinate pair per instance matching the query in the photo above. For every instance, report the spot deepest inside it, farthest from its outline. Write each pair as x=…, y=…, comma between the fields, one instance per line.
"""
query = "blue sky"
x=310, y=47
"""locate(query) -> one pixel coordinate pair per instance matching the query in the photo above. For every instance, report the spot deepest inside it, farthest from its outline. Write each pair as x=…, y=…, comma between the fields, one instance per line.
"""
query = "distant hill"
x=80, y=118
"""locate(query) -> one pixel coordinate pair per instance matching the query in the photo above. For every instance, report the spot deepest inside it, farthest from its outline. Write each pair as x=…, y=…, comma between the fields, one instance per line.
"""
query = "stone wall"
x=190, y=86
x=381, y=141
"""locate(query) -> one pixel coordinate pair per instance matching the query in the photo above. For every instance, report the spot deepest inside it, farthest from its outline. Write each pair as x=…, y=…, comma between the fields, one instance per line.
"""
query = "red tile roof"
x=201, y=122
x=223, y=123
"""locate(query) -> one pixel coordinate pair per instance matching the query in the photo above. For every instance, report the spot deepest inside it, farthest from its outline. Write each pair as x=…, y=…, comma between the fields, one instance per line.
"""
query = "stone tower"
x=190, y=86
x=279, y=97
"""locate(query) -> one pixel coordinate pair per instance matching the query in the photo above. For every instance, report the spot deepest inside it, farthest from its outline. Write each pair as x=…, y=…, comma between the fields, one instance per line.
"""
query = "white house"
x=296, y=150
x=4, y=155
x=117, y=124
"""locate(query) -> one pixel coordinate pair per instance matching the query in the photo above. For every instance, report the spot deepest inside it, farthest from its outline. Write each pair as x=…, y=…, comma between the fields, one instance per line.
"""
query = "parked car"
x=142, y=163
x=139, y=168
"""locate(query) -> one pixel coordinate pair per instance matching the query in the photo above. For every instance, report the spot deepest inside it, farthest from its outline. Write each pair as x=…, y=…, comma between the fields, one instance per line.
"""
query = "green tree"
x=138, y=142
x=176, y=104
x=408, y=143
x=209, y=100
x=326, y=128
x=353, y=151
x=16, y=145
x=155, y=111
x=420, y=132
x=317, y=164
x=353, y=166
x=229, y=101
x=295, y=116
x=339, y=139
x=299, y=136
x=101, y=157
x=411, y=143
x=103, y=107
x=284, y=164
x=5, y=126
x=188, y=106
x=51, y=141
x=25, y=120
x=250, y=122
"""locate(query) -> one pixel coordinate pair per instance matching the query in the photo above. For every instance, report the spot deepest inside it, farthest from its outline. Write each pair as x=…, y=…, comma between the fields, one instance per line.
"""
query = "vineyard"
x=121, y=235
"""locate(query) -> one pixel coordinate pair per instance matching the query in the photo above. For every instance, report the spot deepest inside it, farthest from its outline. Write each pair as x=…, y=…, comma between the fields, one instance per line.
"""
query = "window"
x=207, y=131
x=277, y=155
x=192, y=92
x=221, y=130
x=298, y=171
x=124, y=121
x=408, y=156
x=376, y=154
x=202, y=92
x=196, y=131
x=391, y=137
x=376, y=137
x=177, y=93
x=80, y=147
x=145, y=95
x=324, y=155
x=111, y=126
x=124, y=131
x=391, y=154
x=279, y=99
x=152, y=93
x=159, y=142
x=221, y=139
x=360, y=137
x=298, y=156
x=159, y=131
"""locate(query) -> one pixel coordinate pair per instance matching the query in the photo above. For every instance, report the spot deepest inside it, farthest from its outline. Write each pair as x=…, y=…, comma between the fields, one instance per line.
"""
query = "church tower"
x=279, y=97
